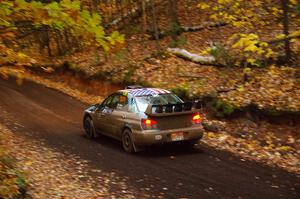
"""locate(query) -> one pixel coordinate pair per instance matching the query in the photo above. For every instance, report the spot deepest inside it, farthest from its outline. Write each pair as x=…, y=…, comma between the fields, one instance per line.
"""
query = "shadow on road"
x=167, y=150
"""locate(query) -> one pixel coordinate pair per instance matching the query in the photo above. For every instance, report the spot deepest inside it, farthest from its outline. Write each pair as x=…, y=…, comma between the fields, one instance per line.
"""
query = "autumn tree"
x=57, y=18
x=252, y=18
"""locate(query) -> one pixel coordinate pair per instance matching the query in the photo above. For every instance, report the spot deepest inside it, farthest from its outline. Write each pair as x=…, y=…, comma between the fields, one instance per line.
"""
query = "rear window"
x=162, y=99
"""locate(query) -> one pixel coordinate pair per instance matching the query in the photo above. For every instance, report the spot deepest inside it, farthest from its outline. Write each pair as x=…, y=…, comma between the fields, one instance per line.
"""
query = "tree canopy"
x=65, y=15
x=253, y=16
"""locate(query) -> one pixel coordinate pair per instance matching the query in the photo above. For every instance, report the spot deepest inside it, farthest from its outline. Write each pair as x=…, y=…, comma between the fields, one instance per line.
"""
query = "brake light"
x=148, y=122
x=197, y=118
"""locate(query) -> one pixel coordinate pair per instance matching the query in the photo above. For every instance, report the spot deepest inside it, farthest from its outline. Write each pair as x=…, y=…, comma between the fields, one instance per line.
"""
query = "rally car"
x=142, y=117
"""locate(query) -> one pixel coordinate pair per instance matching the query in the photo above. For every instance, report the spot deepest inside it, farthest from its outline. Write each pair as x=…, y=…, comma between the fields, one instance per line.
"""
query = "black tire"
x=89, y=128
x=127, y=142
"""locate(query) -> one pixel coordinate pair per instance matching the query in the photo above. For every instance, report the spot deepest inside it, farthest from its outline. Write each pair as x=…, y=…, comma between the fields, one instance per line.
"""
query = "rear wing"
x=173, y=109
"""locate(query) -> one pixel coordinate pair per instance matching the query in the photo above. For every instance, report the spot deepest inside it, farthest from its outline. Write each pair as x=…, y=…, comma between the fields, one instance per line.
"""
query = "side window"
x=107, y=101
x=122, y=103
x=114, y=101
x=111, y=101
x=132, y=107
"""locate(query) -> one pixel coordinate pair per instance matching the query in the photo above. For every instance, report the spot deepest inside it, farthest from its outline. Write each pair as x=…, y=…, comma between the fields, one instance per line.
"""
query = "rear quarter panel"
x=133, y=121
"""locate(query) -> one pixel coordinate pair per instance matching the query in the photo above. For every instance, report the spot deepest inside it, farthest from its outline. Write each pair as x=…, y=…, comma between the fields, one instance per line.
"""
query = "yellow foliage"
x=280, y=36
x=203, y=5
x=285, y=148
x=251, y=61
x=205, y=51
x=269, y=53
x=295, y=33
x=214, y=16
x=211, y=135
x=252, y=47
x=238, y=23
x=224, y=1
x=247, y=41
x=293, y=2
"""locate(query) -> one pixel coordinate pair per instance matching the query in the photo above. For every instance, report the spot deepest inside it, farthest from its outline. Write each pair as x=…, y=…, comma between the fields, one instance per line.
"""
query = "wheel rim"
x=127, y=142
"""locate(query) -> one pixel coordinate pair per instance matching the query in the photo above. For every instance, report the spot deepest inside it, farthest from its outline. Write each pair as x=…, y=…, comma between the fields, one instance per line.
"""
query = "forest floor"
x=274, y=90
x=49, y=173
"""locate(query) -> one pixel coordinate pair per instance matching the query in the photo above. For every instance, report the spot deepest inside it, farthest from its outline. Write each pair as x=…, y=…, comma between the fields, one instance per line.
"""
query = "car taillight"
x=197, y=118
x=148, y=123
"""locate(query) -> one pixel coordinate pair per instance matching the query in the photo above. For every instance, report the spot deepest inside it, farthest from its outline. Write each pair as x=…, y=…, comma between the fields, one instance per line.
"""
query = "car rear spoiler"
x=173, y=109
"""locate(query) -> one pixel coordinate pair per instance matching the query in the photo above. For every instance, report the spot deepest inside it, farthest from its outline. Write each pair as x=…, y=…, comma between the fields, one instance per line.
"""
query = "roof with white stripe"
x=145, y=91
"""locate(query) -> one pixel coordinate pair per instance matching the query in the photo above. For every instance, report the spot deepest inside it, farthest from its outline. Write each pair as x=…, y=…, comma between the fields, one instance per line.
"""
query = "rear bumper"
x=153, y=137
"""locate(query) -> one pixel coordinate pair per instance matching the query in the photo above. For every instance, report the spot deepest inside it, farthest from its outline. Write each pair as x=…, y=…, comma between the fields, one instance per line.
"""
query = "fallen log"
x=200, y=27
x=182, y=53
x=134, y=12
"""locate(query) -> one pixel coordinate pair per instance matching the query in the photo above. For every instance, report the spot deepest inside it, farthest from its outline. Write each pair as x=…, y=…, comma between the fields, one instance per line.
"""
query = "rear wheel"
x=89, y=128
x=127, y=142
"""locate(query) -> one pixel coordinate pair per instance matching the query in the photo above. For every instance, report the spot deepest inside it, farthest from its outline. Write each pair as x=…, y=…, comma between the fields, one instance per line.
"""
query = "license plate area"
x=177, y=136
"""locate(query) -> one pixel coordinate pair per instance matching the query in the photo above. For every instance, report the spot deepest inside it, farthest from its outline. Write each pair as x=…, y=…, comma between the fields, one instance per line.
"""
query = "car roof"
x=144, y=91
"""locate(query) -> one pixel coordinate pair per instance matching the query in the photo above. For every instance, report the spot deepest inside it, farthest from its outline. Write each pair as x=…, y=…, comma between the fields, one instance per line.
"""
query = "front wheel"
x=89, y=128
x=127, y=142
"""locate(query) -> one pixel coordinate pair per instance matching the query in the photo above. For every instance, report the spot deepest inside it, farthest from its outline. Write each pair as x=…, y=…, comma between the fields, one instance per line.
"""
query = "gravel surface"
x=52, y=174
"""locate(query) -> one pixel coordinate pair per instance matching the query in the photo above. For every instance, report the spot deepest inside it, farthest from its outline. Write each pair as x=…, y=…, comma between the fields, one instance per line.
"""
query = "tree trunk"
x=144, y=17
x=130, y=13
x=44, y=39
x=285, y=23
x=155, y=25
x=58, y=43
x=175, y=25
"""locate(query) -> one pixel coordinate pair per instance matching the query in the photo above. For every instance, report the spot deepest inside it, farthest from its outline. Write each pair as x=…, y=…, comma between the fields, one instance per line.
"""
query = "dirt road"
x=56, y=118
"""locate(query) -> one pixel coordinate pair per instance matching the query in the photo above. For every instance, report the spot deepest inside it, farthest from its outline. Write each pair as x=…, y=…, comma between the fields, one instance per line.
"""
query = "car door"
x=131, y=116
x=115, y=120
x=101, y=115
x=107, y=114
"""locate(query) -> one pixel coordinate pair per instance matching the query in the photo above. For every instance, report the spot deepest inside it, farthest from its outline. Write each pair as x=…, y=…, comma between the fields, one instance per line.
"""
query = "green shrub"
x=182, y=91
x=221, y=54
x=128, y=75
x=182, y=40
x=174, y=29
x=12, y=182
x=223, y=108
